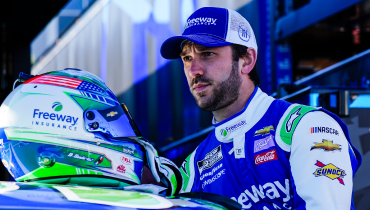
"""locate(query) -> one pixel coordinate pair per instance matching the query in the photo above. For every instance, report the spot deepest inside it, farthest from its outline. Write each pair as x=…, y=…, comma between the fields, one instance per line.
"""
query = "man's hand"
x=163, y=170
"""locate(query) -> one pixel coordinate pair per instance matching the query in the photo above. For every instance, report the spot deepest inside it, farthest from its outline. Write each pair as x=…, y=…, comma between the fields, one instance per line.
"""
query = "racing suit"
x=276, y=155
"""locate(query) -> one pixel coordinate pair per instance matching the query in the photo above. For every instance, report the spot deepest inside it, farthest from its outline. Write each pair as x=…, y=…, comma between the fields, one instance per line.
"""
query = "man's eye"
x=208, y=54
x=186, y=58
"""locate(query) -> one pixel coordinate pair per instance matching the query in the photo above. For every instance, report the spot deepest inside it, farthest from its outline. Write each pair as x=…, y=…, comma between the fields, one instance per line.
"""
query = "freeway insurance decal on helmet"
x=51, y=118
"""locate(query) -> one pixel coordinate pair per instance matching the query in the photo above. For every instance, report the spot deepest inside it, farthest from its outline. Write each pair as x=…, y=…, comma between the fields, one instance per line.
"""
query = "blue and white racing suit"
x=276, y=155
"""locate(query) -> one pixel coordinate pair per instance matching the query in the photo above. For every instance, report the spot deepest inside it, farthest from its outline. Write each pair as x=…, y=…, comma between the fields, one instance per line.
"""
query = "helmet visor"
x=114, y=122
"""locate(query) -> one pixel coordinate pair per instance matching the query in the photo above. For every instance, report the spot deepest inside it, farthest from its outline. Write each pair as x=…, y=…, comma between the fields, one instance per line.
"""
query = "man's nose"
x=196, y=68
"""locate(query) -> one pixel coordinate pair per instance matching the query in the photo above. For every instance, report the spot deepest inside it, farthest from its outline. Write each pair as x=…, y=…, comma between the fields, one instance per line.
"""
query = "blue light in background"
x=362, y=101
x=314, y=99
x=333, y=100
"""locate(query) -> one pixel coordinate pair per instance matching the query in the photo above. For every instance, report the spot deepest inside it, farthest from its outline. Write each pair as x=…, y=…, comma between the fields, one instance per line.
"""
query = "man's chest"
x=261, y=177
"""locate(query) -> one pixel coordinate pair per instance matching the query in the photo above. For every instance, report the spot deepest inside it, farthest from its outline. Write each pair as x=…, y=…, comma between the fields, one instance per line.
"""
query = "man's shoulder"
x=288, y=123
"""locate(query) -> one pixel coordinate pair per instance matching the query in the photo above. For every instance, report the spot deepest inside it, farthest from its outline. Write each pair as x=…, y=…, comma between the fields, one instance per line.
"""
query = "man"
x=264, y=153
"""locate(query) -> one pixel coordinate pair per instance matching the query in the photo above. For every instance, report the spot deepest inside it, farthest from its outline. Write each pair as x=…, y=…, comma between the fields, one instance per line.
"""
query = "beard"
x=223, y=94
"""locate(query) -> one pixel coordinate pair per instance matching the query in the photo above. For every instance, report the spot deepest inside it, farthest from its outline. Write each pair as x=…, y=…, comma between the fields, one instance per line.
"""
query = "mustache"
x=200, y=79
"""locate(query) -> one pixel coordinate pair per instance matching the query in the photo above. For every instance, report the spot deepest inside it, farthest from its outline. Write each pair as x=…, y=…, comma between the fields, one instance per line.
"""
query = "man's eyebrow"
x=199, y=48
x=184, y=52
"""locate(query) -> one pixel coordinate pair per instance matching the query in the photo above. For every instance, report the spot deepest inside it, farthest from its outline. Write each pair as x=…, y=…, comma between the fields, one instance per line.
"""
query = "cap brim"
x=171, y=48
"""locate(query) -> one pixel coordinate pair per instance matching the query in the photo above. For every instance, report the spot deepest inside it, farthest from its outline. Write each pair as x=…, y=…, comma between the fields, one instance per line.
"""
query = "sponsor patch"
x=183, y=167
x=214, y=178
x=228, y=130
x=291, y=119
x=121, y=169
x=200, y=21
x=326, y=145
x=244, y=33
x=210, y=160
x=265, y=157
x=264, y=143
x=323, y=130
x=264, y=131
x=273, y=190
x=330, y=171
x=126, y=160
x=211, y=172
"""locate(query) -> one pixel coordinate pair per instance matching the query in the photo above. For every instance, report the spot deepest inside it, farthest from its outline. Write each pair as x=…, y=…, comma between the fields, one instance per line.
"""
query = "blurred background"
x=312, y=52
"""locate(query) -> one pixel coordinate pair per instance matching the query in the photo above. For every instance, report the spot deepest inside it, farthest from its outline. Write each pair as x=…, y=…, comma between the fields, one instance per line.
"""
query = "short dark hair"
x=240, y=51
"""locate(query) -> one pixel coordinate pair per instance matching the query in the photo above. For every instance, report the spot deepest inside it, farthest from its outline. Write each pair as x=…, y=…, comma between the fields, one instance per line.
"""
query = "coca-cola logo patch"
x=265, y=157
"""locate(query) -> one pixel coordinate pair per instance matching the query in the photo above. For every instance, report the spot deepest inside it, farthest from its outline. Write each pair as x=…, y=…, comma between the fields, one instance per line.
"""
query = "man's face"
x=212, y=75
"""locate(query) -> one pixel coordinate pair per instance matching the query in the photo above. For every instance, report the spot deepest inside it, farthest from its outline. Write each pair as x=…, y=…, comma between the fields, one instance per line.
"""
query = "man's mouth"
x=200, y=87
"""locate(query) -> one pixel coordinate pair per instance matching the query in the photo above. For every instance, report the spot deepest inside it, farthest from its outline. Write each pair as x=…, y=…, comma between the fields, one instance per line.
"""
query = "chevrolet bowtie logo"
x=326, y=145
x=111, y=114
x=264, y=130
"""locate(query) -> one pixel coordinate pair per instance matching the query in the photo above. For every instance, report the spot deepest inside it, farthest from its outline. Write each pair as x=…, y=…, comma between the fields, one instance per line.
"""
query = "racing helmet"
x=68, y=127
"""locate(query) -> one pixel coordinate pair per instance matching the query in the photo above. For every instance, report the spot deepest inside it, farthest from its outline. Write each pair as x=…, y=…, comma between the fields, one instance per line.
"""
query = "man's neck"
x=230, y=110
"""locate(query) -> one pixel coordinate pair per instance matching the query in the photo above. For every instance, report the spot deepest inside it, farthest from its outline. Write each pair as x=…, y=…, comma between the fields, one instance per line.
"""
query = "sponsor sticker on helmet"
x=54, y=119
x=265, y=157
x=57, y=106
x=121, y=169
x=126, y=160
x=331, y=171
x=326, y=145
x=112, y=114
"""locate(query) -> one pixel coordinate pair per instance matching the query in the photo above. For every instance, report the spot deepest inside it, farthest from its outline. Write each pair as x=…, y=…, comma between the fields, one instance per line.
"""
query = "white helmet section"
x=44, y=109
x=44, y=123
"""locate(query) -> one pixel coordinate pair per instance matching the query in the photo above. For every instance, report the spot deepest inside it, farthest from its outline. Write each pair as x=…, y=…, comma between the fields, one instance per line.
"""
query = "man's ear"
x=247, y=62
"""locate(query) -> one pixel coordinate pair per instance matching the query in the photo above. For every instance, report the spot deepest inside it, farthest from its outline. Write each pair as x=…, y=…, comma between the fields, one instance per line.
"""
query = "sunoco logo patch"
x=330, y=171
x=210, y=160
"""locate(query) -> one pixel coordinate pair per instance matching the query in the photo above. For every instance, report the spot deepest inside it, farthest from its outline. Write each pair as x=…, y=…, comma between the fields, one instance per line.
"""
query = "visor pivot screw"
x=46, y=159
x=95, y=125
x=90, y=115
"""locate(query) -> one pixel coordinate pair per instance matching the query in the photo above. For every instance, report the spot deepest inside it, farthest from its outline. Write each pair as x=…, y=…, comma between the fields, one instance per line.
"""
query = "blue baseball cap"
x=212, y=27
